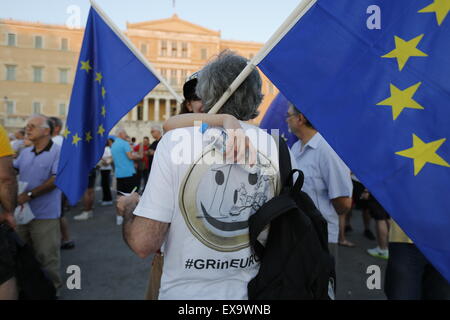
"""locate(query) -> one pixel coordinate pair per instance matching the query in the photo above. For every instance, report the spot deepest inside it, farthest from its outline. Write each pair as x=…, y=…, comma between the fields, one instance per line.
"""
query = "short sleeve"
x=336, y=174
x=56, y=161
x=158, y=202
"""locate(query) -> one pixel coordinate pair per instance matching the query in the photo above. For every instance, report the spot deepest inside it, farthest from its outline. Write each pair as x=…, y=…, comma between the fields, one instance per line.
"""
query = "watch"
x=30, y=194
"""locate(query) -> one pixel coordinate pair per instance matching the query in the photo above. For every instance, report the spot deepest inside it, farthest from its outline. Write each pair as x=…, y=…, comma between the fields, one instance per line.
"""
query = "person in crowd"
x=142, y=165
x=43, y=232
x=409, y=274
x=360, y=202
x=18, y=143
x=156, y=132
x=381, y=218
x=66, y=242
x=123, y=158
x=105, y=165
x=8, y=203
x=88, y=198
x=154, y=214
x=327, y=178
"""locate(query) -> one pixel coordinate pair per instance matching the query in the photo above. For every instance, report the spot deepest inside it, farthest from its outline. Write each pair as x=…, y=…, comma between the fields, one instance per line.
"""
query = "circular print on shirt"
x=217, y=199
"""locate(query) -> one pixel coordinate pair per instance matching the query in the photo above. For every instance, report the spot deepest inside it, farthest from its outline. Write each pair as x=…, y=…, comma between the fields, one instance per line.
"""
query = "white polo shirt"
x=326, y=177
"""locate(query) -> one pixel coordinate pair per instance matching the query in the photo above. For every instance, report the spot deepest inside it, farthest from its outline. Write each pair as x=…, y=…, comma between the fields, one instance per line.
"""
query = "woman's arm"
x=188, y=119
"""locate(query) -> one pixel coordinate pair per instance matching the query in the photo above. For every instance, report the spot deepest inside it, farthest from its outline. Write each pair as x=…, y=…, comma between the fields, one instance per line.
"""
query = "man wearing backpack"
x=327, y=178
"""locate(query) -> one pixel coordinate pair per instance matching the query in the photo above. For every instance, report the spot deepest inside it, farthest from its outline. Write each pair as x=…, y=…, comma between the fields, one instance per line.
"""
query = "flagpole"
x=133, y=49
x=287, y=25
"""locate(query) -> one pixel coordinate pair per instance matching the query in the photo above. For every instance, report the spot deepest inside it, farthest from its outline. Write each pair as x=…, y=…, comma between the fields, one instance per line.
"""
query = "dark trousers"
x=145, y=174
x=106, y=187
x=409, y=275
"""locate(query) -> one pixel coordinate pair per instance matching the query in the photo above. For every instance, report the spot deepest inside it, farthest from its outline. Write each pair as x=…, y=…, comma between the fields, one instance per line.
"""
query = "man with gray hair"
x=196, y=205
x=37, y=166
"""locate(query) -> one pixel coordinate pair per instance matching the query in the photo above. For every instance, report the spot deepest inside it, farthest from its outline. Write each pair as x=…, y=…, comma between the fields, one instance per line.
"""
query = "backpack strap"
x=266, y=214
x=284, y=161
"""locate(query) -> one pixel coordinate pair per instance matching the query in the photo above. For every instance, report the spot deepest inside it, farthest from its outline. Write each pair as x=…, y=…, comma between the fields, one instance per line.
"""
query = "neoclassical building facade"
x=38, y=64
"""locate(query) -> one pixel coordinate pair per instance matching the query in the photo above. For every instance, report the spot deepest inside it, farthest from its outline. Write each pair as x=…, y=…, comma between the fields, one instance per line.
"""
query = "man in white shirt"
x=200, y=210
x=327, y=178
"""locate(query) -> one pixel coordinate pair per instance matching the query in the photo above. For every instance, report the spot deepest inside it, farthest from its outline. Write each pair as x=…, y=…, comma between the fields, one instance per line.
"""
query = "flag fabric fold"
x=110, y=80
x=381, y=98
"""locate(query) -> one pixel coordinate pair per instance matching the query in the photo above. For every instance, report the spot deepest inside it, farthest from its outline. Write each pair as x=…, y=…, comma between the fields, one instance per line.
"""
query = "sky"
x=246, y=20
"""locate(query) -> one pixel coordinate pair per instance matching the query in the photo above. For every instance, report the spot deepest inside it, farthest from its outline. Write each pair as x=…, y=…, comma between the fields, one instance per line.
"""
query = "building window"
x=38, y=42
x=164, y=73
x=174, y=49
x=163, y=48
x=140, y=112
x=184, y=75
x=184, y=49
x=173, y=77
x=10, y=72
x=9, y=107
x=12, y=39
x=37, y=74
x=62, y=109
x=36, y=107
x=63, y=75
x=64, y=44
x=203, y=54
x=144, y=49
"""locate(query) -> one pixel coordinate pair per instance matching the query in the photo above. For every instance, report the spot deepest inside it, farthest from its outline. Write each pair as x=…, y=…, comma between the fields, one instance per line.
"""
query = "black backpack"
x=295, y=262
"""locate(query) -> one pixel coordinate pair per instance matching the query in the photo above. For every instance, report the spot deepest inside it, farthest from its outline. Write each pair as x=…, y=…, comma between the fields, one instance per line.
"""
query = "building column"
x=156, y=109
x=145, y=111
x=134, y=114
x=167, y=109
x=178, y=106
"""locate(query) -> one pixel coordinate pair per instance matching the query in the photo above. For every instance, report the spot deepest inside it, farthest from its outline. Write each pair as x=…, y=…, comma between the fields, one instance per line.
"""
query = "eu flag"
x=381, y=98
x=110, y=80
x=275, y=119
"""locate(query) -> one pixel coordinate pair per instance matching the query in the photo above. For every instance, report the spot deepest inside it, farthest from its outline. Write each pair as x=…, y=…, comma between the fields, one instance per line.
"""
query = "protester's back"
x=295, y=261
x=207, y=253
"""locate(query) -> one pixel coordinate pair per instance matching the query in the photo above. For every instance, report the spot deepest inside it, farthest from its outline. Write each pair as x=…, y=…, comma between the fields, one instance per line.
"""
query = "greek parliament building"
x=38, y=63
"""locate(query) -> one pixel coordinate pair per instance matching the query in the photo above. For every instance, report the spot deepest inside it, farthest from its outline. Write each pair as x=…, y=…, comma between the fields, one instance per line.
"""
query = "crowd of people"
x=194, y=217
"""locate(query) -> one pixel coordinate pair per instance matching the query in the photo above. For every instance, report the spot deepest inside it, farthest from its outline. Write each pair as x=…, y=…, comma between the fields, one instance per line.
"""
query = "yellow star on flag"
x=103, y=111
x=103, y=92
x=405, y=50
x=101, y=130
x=86, y=66
x=99, y=77
x=440, y=7
x=66, y=132
x=401, y=99
x=88, y=136
x=75, y=139
x=424, y=153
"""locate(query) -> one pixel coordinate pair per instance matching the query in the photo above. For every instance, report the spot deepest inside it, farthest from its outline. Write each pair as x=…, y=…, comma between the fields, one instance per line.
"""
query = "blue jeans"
x=409, y=275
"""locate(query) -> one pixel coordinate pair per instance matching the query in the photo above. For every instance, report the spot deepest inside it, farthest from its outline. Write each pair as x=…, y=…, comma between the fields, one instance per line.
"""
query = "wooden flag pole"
x=133, y=49
x=287, y=25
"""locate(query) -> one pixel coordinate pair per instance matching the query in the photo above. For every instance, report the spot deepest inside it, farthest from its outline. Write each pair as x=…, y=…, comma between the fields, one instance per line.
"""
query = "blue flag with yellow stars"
x=374, y=78
x=275, y=119
x=110, y=80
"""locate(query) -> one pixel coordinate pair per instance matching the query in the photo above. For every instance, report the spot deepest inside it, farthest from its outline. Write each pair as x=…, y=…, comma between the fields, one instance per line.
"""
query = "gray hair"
x=47, y=123
x=119, y=130
x=216, y=77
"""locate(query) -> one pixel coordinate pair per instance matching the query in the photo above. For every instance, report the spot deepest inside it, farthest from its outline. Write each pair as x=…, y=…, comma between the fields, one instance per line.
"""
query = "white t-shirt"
x=58, y=140
x=326, y=177
x=107, y=155
x=206, y=252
